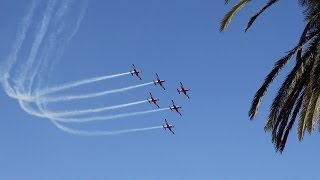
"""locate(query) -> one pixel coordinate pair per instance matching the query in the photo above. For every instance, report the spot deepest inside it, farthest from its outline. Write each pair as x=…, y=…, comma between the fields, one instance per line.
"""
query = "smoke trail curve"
x=21, y=34
x=102, y=118
x=91, y=95
x=78, y=83
x=101, y=133
x=95, y=110
x=40, y=35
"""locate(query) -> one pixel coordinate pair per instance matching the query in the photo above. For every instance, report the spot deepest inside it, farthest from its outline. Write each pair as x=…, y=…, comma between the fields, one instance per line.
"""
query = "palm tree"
x=298, y=98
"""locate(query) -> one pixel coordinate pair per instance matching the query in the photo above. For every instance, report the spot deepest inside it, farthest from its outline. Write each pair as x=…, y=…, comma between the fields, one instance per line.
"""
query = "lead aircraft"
x=135, y=71
x=183, y=90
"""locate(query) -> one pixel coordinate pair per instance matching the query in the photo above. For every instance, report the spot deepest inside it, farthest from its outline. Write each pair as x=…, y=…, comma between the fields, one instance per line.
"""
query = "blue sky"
x=180, y=41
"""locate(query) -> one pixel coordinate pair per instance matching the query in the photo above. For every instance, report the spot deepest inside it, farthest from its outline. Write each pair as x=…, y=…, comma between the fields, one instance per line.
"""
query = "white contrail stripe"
x=25, y=106
x=78, y=83
x=85, y=96
x=102, y=118
x=49, y=45
x=38, y=40
x=101, y=133
x=21, y=34
x=95, y=110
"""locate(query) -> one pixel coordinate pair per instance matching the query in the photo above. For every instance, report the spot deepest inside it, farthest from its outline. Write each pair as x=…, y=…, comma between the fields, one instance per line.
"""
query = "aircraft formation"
x=153, y=100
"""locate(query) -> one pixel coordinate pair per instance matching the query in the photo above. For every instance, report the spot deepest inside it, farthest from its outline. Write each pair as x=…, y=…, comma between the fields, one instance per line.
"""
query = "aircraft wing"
x=162, y=86
x=178, y=112
x=156, y=104
x=139, y=76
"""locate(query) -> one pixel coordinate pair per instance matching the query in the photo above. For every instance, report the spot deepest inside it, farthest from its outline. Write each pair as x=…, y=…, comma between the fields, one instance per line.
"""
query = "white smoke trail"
x=36, y=62
x=101, y=118
x=95, y=110
x=78, y=83
x=96, y=133
x=101, y=133
x=25, y=106
x=42, y=31
x=31, y=111
x=62, y=10
x=12, y=58
x=85, y=96
x=49, y=46
x=49, y=65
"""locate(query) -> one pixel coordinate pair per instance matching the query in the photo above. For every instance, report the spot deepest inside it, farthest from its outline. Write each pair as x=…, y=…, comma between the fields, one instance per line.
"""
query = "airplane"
x=159, y=81
x=153, y=100
x=168, y=126
x=183, y=90
x=135, y=71
x=175, y=107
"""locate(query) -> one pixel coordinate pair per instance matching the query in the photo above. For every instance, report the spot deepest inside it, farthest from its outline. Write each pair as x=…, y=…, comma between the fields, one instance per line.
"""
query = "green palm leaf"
x=228, y=17
x=281, y=143
x=308, y=95
x=269, y=78
x=315, y=103
x=254, y=17
x=299, y=94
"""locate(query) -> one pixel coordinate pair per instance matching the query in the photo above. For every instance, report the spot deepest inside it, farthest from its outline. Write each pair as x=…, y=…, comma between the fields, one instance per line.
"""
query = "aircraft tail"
x=178, y=91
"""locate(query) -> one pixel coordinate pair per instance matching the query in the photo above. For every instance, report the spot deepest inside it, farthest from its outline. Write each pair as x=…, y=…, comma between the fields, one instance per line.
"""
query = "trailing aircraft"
x=153, y=100
x=168, y=126
x=175, y=107
x=159, y=81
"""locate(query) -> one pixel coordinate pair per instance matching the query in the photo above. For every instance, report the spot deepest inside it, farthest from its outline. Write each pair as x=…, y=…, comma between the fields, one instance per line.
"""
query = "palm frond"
x=309, y=4
x=313, y=113
x=312, y=17
x=254, y=17
x=286, y=87
x=304, y=111
x=283, y=91
x=229, y=16
x=282, y=142
x=269, y=78
x=285, y=114
x=308, y=91
x=304, y=38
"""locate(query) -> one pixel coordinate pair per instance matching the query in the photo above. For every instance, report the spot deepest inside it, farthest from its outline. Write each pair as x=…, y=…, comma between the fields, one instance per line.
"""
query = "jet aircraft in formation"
x=183, y=90
x=168, y=126
x=159, y=81
x=135, y=71
x=153, y=100
x=175, y=107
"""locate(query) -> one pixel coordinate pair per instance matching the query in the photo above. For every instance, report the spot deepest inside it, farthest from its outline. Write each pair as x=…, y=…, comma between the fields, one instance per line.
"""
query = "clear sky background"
x=180, y=41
